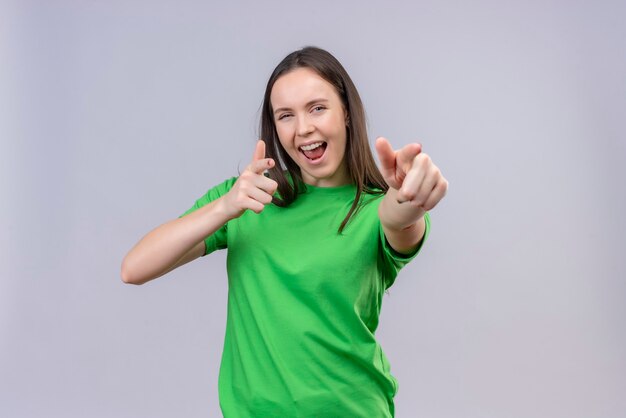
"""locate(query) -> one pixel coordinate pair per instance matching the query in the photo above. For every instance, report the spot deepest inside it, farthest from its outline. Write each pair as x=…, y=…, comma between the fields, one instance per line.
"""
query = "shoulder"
x=212, y=194
x=220, y=189
x=227, y=184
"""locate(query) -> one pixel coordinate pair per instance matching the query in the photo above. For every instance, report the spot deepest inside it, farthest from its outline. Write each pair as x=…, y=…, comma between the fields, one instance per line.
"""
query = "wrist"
x=221, y=210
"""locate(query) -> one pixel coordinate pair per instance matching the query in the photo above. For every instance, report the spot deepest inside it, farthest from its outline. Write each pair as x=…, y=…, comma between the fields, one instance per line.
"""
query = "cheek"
x=283, y=135
x=340, y=132
x=338, y=126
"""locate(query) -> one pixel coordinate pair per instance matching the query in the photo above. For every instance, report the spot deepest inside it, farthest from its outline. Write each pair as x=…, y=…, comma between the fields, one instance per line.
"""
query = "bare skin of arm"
x=181, y=240
x=172, y=244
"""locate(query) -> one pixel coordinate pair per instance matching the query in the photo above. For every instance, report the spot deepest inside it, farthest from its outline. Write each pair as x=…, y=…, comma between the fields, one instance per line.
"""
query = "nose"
x=305, y=127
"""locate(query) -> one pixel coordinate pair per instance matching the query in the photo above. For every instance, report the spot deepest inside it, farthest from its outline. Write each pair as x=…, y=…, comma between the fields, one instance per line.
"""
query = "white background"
x=115, y=116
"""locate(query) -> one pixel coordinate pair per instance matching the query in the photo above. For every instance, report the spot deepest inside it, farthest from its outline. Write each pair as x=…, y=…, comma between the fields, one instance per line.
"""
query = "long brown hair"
x=362, y=168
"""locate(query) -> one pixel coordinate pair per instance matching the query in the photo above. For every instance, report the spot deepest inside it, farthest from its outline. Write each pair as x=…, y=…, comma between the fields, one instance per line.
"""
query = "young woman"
x=312, y=246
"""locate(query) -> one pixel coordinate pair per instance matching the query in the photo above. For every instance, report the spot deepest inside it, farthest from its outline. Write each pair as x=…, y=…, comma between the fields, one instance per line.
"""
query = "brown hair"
x=361, y=166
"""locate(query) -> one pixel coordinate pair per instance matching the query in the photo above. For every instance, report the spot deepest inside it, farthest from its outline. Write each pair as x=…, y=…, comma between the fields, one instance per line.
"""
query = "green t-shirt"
x=303, y=306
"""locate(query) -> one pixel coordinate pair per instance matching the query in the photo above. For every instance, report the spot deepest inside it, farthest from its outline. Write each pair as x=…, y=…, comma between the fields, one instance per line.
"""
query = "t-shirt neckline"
x=331, y=189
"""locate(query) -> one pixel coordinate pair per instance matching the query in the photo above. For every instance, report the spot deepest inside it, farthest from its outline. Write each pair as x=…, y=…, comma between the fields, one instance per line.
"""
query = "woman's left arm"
x=416, y=185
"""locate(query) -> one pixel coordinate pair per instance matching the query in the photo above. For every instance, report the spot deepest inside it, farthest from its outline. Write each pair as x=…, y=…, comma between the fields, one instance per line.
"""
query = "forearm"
x=158, y=251
x=403, y=223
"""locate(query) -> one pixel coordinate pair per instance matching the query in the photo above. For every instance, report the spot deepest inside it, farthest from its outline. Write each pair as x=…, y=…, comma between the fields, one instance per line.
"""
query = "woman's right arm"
x=181, y=240
x=173, y=244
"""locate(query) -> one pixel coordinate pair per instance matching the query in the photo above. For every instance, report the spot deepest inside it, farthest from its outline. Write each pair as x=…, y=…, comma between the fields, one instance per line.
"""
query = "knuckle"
x=270, y=185
x=443, y=186
x=243, y=189
x=409, y=194
x=423, y=159
x=421, y=198
x=251, y=205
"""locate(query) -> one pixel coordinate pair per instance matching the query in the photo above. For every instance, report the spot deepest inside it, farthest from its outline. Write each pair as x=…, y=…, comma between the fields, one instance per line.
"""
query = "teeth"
x=311, y=147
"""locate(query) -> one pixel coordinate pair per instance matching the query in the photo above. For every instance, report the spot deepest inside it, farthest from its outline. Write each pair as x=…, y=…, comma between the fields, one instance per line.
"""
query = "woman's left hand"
x=412, y=173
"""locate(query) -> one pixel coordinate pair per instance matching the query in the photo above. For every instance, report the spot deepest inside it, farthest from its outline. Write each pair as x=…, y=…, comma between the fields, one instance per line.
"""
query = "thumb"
x=259, y=151
x=259, y=163
x=405, y=156
x=387, y=157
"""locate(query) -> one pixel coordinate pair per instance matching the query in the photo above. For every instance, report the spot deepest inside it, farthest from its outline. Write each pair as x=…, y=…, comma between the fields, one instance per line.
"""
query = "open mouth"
x=314, y=151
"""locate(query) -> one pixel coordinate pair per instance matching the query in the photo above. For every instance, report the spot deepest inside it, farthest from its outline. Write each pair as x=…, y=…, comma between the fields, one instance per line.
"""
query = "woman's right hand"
x=252, y=190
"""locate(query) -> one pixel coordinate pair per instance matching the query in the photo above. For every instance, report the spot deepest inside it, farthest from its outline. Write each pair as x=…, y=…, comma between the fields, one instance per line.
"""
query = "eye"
x=283, y=116
x=319, y=108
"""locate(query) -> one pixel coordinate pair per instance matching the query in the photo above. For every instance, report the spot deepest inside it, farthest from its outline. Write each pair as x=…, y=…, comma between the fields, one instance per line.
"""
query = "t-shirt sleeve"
x=393, y=261
x=217, y=240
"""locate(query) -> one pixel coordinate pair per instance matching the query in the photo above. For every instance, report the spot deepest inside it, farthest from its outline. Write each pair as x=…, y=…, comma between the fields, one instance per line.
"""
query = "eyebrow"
x=306, y=105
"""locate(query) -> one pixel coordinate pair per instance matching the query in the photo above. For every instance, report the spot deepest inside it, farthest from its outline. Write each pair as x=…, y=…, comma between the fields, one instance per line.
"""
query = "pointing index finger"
x=407, y=154
x=387, y=157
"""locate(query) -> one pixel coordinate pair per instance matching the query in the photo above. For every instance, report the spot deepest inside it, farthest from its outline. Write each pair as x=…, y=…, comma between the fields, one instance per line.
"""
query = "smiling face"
x=311, y=124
